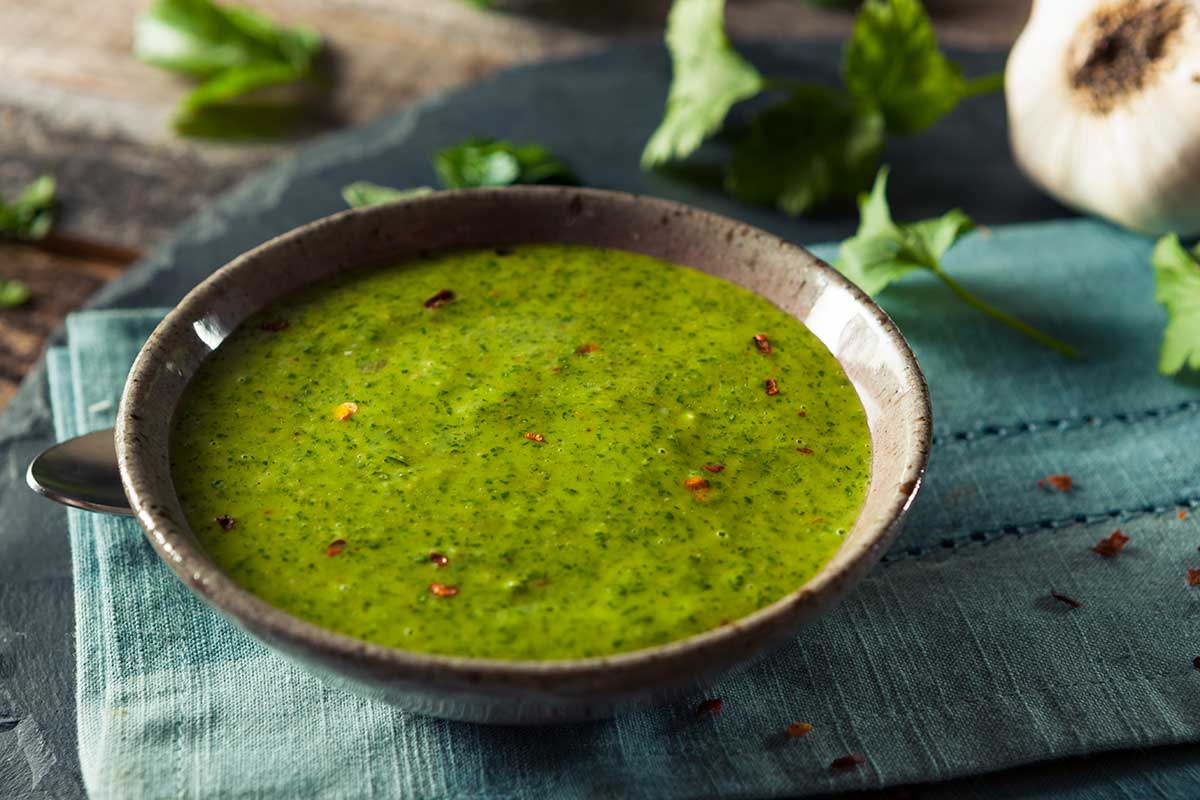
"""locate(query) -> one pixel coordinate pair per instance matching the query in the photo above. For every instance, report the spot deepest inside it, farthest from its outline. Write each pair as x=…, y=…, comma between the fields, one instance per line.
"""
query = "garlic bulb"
x=1104, y=108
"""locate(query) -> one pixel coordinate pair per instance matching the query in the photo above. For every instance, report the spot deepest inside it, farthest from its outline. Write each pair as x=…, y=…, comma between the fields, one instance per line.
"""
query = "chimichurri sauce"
x=548, y=452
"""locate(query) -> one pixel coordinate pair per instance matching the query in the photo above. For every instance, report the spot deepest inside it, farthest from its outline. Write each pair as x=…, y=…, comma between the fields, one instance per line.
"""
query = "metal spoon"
x=81, y=472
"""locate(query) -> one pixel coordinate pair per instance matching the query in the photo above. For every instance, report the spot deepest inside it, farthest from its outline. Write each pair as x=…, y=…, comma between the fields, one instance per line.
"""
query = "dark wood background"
x=76, y=104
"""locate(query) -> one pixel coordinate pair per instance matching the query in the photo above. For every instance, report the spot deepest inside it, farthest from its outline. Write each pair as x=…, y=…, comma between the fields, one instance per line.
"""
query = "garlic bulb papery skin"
x=1104, y=109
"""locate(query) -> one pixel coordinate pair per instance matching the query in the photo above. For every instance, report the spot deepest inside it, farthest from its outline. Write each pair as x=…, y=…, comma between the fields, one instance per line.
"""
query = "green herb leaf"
x=31, y=214
x=238, y=52
x=892, y=62
x=13, y=293
x=884, y=251
x=365, y=193
x=1177, y=287
x=708, y=78
x=491, y=162
x=202, y=39
x=872, y=259
x=797, y=154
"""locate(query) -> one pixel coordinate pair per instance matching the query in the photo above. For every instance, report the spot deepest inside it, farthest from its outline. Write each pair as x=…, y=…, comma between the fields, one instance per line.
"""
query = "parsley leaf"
x=797, y=154
x=31, y=214
x=237, y=52
x=1177, y=287
x=883, y=251
x=13, y=293
x=365, y=193
x=708, y=78
x=492, y=162
x=892, y=61
x=818, y=142
x=470, y=163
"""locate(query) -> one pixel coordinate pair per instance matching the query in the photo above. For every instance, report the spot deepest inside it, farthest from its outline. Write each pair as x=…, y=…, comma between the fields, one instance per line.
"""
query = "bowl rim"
x=227, y=597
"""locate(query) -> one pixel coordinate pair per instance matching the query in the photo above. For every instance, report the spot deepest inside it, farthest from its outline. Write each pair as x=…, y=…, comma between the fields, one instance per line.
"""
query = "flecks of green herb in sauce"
x=586, y=543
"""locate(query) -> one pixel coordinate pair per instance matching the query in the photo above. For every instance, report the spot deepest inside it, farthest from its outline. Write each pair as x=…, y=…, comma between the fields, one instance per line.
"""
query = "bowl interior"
x=859, y=334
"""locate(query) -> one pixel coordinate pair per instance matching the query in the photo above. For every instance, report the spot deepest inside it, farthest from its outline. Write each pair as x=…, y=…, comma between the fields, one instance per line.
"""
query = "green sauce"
x=609, y=534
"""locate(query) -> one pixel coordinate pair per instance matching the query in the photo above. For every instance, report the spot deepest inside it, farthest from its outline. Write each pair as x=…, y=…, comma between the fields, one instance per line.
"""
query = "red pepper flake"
x=335, y=547
x=1112, y=544
x=847, y=762
x=534, y=437
x=808, y=451
x=1193, y=577
x=1059, y=483
x=1182, y=515
x=274, y=326
x=715, y=467
x=442, y=590
x=440, y=299
x=771, y=386
x=226, y=522
x=711, y=707
x=1068, y=601
x=587, y=348
x=801, y=413
x=439, y=559
x=696, y=484
x=798, y=729
x=345, y=411
x=762, y=343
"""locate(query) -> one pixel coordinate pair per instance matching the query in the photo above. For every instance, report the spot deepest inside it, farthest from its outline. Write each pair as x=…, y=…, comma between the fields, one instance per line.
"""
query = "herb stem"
x=983, y=85
x=1008, y=319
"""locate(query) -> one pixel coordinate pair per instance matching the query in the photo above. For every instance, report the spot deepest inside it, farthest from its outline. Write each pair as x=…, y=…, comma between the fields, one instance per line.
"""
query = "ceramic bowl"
x=861, y=336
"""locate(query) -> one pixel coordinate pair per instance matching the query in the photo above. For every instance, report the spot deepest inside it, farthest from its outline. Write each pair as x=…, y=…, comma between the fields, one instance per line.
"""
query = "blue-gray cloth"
x=950, y=659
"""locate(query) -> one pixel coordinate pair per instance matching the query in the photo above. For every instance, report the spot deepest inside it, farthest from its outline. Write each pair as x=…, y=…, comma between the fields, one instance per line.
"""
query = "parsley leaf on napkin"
x=31, y=214
x=708, y=78
x=1177, y=287
x=492, y=162
x=365, y=193
x=883, y=251
x=892, y=61
x=237, y=52
x=816, y=144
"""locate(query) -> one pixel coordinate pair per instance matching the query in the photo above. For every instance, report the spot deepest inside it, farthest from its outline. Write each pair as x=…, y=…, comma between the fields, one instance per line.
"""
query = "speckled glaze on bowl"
x=861, y=336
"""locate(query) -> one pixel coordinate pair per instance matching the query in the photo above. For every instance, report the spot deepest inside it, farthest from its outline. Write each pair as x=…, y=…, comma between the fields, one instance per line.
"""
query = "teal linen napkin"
x=950, y=659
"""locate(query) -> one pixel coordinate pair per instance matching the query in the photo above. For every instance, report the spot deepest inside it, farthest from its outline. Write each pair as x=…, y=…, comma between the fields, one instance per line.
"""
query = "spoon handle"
x=81, y=472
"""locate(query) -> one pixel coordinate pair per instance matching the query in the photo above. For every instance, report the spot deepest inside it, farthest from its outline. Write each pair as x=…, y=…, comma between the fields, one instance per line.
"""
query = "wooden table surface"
x=76, y=104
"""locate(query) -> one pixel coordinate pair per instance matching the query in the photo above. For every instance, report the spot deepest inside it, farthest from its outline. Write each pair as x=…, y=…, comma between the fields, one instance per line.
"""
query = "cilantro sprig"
x=892, y=63
x=252, y=69
x=884, y=251
x=1177, y=288
x=816, y=142
x=480, y=161
x=365, y=193
x=708, y=79
x=474, y=162
x=13, y=293
x=29, y=215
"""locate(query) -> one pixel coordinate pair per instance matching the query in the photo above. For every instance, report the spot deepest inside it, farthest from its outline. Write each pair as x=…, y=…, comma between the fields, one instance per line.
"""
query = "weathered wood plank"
x=59, y=283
